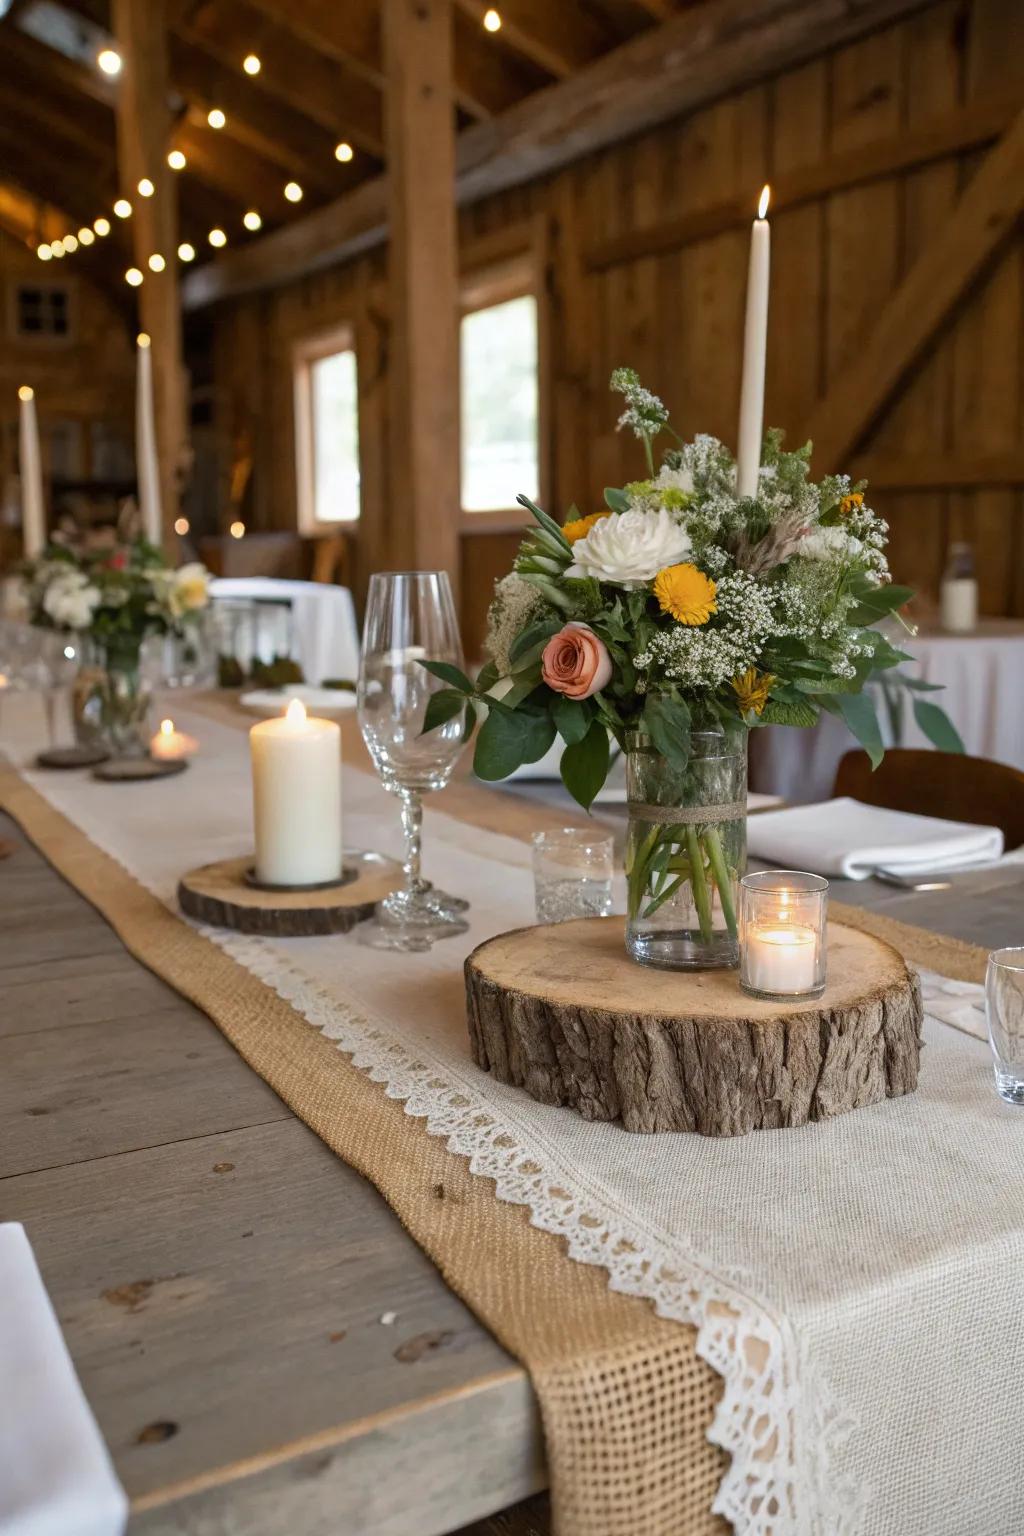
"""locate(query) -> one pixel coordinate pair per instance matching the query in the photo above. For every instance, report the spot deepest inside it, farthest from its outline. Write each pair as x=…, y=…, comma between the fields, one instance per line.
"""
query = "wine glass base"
x=412, y=921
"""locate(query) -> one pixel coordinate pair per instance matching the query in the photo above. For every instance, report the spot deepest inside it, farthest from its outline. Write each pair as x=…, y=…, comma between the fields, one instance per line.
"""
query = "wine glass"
x=410, y=618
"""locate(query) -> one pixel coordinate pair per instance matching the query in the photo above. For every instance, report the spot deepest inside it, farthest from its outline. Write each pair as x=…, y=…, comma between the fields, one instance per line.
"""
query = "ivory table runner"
x=854, y=1284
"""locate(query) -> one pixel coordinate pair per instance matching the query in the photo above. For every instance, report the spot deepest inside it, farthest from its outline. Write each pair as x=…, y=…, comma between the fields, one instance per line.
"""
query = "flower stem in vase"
x=698, y=881
x=723, y=877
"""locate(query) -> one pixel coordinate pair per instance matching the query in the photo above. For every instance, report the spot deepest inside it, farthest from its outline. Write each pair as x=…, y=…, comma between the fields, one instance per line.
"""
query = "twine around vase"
x=687, y=815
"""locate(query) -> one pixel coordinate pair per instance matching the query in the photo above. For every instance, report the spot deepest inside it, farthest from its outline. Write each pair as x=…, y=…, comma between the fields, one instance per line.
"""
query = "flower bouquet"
x=670, y=623
x=115, y=597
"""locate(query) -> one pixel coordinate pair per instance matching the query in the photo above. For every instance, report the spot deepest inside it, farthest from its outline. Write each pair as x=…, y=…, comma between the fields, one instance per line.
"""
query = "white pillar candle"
x=755, y=349
x=959, y=604
x=146, y=463
x=30, y=467
x=296, y=785
x=782, y=960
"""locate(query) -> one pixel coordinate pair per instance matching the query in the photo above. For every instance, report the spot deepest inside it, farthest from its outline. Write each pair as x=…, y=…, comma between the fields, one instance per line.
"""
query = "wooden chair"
x=946, y=784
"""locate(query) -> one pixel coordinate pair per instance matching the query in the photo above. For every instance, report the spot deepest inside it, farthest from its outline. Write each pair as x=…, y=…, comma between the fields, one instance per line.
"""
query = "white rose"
x=630, y=548
x=830, y=544
x=675, y=480
x=70, y=600
x=190, y=588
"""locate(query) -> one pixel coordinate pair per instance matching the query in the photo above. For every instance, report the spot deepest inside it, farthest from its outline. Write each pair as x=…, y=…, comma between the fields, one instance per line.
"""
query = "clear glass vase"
x=112, y=699
x=686, y=851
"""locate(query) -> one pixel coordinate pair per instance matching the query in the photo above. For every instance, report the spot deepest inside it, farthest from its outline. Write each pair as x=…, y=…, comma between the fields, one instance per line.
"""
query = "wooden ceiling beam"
x=558, y=38
x=337, y=97
x=20, y=51
x=660, y=74
x=92, y=136
x=230, y=168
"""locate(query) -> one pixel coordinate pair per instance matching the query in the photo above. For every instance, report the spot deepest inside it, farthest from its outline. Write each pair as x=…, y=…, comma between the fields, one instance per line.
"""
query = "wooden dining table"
x=265, y=1349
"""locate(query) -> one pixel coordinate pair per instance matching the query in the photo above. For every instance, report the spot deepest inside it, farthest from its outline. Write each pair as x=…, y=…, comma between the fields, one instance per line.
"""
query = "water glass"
x=1004, y=1010
x=572, y=874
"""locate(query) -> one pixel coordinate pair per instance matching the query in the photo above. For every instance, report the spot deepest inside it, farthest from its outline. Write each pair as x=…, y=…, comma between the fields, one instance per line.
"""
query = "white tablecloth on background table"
x=983, y=678
x=325, y=639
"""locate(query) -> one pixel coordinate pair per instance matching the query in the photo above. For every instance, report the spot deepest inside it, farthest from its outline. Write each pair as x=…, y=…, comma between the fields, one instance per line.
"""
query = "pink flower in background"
x=575, y=662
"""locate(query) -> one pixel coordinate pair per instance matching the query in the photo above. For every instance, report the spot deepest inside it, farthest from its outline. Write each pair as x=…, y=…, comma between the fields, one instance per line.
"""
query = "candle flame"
x=166, y=727
x=764, y=200
x=143, y=339
x=26, y=392
x=295, y=714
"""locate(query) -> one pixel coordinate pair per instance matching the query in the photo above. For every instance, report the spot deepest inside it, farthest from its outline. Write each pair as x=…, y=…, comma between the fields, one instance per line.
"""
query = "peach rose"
x=575, y=662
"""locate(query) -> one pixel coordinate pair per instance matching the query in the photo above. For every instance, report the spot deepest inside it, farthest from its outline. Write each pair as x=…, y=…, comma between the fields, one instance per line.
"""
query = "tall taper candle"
x=30, y=470
x=755, y=347
x=296, y=784
x=146, y=465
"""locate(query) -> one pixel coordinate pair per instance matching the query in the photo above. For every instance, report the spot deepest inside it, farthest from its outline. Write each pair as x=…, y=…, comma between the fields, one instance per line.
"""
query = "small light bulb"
x=293, y=192
x=492, y=21
x=252, y=220
x=217, y=237
x=70, y=243
x=57, y=248
x=44, y=253
x=70, y=653
x=156, y=262
x=133, y=277
x=176, y=160
x=123, y=208
x=251, y=64
x=237, y=530
x=101, y=225
x=26, y=392
x=181, y=526
x=146, y=187
x=186, y=252
x=85, y=235
x=109, y=60
x=343, y=152
x=215, y=117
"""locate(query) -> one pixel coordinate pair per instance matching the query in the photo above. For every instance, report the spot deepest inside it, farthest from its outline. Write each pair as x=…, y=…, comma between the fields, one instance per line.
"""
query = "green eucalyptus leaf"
x=858, y=710
x=788, y=712
x=937, y=726
x=584, y=765
x=667, y=722
x=449, y=674
x=442, y=707
x=533, y=635
x=615, y=500
x=571, y=718
x=875, y=603
x=510, y=738
x=467, y=729
x=487, y=676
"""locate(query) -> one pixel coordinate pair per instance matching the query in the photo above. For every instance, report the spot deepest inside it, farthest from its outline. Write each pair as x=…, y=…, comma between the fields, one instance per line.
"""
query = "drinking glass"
x=572, y=874
x=410, y=618
x=1004, y=1010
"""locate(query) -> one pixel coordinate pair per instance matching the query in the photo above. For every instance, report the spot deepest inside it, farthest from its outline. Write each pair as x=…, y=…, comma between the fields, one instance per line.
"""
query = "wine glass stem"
x=412, y=826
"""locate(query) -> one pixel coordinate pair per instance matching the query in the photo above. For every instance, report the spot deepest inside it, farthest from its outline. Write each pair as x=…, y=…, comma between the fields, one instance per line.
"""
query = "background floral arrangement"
x=118, y=594
x=682, y=606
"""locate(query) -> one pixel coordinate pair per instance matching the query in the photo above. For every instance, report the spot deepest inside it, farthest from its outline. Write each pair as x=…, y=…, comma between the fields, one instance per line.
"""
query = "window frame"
x=307, y=351
x=509, y=265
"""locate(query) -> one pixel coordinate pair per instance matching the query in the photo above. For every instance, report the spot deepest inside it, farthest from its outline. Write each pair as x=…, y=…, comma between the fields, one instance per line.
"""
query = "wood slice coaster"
x=562, y=1011
x=125, y=770
x=223, y=895
x=72, y=757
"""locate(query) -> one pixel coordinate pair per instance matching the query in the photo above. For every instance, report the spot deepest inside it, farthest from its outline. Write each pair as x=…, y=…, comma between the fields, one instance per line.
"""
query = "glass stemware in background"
x=1004, y=1010
x=410, y=618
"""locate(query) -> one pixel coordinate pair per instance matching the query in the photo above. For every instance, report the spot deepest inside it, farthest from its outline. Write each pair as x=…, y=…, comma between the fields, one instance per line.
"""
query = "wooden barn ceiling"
x=313, y=113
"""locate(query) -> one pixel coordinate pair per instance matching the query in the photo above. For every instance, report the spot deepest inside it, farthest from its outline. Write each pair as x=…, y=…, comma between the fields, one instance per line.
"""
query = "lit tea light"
x=782, y=934
x=781, y=960
x=170, y=745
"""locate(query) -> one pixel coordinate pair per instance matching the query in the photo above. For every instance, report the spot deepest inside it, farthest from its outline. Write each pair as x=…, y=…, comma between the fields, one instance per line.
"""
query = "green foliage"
x=442, y=707
x=937, y=726
x=798, y=712
x=572, y=718
x=584, y=764
x=667, y=721
x=509, y=738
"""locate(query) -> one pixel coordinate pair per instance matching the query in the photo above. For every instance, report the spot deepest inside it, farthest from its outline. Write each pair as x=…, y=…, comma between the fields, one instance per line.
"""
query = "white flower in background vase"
x=184, y=590
x=675, y=480
x=71, y=600
x=830, y=544
x=628, y=549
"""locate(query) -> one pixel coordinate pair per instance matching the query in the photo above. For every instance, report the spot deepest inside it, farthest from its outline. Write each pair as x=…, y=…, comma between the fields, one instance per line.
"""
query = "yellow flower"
x=752, y=689
x=581, y=526
x=686, y=593
x=851, y=503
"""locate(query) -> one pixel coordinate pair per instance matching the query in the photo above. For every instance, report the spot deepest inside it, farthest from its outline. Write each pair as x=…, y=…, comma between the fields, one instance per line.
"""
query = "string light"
x=101, y=225
x=85, y=235
x=156, y=262
x=181, y=526
x=123, y=208
x=293, y=192
x=215, y=117
x=492, y=21
x=217, y=237
x=186, y=252
x=176, y=160
x=237, y=530
x=70, y=244
x=44, y=253
x=146, y=187
x=251, y=64
x=57, y=248
x=109, y=60
x=133, y=277
x=252, y=219
x=343, y=152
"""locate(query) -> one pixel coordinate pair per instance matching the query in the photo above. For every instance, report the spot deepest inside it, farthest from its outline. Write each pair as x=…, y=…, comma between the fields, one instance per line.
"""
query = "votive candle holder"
x=783, y=934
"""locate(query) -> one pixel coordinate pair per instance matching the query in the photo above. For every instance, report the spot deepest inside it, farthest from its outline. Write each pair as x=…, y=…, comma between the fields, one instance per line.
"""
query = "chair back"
x=950, y=785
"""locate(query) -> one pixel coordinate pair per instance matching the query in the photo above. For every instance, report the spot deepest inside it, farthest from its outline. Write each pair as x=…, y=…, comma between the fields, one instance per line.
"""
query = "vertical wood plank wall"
x=676, y=316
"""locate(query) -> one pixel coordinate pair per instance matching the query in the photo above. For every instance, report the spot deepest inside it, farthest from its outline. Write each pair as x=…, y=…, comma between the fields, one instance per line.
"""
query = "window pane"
x=335, y=438
x=499, y=405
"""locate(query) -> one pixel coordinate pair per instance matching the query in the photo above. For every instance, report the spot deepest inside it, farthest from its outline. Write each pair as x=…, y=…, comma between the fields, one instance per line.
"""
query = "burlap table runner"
x=625, y=1401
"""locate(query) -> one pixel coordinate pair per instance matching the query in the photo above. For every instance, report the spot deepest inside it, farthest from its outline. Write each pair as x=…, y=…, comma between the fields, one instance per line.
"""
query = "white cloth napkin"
x=844, y=837
x=56, y=1478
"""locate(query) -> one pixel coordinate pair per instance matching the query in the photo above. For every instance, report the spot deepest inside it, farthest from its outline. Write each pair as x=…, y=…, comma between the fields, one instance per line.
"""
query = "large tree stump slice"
x=561, y=1011
x=221, y=894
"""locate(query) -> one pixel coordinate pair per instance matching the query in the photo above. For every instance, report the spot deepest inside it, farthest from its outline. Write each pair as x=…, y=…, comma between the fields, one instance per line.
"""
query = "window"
x=41, y=311
x=499, y=387
x=327, y=431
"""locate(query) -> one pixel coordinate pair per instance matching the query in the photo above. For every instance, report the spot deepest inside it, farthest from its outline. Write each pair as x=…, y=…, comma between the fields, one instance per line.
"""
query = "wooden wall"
x=646, y=246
